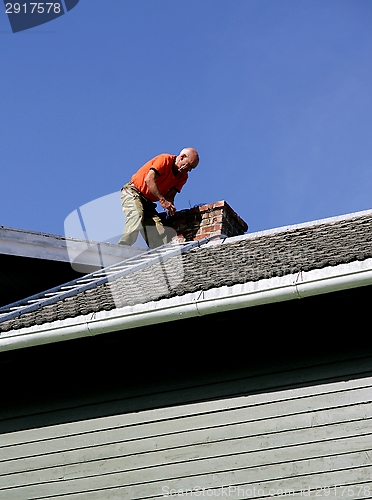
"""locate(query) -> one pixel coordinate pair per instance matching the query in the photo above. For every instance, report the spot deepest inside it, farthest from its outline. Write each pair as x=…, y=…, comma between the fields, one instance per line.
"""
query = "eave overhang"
x=226, y=298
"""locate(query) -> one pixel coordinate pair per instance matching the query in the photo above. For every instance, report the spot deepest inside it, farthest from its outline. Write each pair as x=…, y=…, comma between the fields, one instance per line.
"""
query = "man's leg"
x=141, y=216
x=154, y=233
x=133, y=210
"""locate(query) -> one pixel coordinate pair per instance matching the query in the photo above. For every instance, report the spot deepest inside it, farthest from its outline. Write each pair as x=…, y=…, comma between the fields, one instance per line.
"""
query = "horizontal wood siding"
x=308, y=442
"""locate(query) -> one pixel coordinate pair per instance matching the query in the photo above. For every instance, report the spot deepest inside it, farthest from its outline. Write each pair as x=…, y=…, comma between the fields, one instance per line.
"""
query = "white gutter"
x=294, y=286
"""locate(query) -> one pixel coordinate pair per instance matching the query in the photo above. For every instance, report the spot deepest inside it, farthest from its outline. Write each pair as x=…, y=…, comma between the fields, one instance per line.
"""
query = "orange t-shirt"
x=165, y=180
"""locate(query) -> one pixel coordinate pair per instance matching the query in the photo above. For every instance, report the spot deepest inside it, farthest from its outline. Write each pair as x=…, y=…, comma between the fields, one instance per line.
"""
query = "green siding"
x=312, y=437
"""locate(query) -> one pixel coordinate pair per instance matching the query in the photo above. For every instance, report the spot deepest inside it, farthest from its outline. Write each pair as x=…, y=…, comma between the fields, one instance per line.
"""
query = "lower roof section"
x=35, y=245
x=31, y=262
x=197, y=304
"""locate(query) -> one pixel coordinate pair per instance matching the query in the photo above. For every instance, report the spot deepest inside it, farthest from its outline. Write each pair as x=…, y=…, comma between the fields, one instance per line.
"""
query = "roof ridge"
x=294, y=227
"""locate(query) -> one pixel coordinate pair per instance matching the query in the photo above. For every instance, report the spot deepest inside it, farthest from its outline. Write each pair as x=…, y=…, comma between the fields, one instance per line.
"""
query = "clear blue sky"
x=276, y=95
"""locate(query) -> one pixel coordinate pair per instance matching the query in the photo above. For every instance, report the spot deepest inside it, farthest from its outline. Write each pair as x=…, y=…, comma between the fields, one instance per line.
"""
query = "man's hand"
x=168, y=206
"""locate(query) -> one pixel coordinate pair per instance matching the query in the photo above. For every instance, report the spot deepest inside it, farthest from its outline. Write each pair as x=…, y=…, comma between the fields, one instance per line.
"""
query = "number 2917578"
x=33, y=8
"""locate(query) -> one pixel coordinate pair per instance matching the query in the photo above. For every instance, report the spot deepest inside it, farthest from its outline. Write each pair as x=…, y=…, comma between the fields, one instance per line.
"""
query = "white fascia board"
x=289, y=287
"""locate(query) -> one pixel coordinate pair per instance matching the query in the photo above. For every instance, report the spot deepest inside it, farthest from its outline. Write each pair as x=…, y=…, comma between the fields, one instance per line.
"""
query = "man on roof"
x=158, y=180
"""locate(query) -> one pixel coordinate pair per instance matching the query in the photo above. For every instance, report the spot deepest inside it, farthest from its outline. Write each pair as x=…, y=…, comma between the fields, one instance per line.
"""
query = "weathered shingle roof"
x=234, y=261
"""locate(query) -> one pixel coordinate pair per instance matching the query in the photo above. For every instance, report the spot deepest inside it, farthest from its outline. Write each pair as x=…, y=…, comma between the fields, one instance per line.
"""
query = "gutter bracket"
x=199, y=297
x=299, y=279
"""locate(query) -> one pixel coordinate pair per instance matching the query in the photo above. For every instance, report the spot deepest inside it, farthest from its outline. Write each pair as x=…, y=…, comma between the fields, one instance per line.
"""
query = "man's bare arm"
x=150, y=180
x=171, y=195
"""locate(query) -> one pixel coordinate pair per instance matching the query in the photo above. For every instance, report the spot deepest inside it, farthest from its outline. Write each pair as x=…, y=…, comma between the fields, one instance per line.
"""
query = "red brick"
x=206, y=220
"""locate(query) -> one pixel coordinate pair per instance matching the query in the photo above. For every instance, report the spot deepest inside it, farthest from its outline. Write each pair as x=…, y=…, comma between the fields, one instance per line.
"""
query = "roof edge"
x=289, y=287
x=34, y=245
x=302, y=225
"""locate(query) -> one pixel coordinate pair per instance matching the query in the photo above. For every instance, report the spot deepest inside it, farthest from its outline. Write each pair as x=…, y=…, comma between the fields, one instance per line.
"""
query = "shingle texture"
x=240, y=261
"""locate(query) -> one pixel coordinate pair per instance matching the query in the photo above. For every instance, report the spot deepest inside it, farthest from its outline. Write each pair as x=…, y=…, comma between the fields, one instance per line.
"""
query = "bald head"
x=187, y=160
x=191, y=153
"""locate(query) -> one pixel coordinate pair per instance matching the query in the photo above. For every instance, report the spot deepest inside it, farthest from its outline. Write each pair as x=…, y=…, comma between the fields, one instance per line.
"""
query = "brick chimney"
x=206, y=220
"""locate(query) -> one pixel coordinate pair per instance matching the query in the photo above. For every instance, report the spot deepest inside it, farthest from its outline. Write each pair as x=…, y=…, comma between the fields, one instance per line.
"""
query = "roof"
x=31, y=262
x=271, y=259
x=53, y=247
